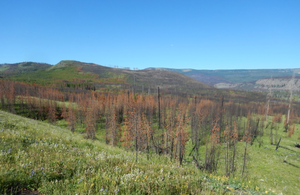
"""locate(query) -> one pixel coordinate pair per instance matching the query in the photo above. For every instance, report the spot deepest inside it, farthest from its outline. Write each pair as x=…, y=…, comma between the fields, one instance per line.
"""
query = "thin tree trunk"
x=158, y=99
x=244, y=164
x=271, y=134
x=136, y=140
x=233, y=159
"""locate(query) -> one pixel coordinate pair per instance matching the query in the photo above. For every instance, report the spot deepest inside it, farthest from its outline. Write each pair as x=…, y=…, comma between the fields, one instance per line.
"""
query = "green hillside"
x=22, y=67
x=69, y=73
x=41, y=158
x=101, y=78
x=79, y=75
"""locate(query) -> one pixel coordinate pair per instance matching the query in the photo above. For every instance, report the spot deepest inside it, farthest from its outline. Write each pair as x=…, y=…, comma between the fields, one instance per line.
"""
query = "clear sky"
x=200, y=34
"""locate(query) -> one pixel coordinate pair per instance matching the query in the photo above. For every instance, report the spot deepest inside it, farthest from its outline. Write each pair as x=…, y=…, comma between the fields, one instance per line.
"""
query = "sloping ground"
x=207, y=79
x=286, y=83
x=46, y=159
x=163, y=79
x=276, y=84
x=76, y=75
x=212, y=77
x=141, y=77
x=46, y=76
x=278, y=168
x=22, y=67
x=105, y=77
x=72, y=63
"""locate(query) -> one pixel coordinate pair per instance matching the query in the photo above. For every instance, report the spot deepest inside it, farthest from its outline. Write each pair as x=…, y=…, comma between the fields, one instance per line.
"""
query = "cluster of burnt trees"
x=150, y=123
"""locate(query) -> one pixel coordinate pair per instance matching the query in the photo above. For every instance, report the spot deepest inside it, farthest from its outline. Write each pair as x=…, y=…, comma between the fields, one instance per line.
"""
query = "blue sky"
x=202, y=34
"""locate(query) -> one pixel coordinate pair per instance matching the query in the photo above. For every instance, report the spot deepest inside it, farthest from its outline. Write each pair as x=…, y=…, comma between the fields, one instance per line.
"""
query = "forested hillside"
x=215, y=135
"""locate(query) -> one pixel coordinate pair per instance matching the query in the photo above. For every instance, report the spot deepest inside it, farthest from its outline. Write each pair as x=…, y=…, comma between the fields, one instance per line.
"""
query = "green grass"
x=42, y=76
x=3, y=68
x=38, y=156
x=266, y=168
x=72, y=74
x=267, y=164
x=52, y=160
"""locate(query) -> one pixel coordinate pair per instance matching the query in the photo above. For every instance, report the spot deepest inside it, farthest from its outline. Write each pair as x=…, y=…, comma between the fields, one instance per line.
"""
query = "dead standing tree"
x=132, y=128
x=231, y=138
x=182, y=131
x=269, y=96
x=71, y=118
x=90, y=120
x=170, y=126
x=147, y=132
x=51, y=113
x=8, y=94
x=212, y=148
x=291, y=86
x=113, y=128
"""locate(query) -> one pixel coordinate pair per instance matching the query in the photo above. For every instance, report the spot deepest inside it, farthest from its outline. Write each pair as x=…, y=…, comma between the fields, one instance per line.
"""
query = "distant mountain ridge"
x=22, y=67
x=252, y=79
x=76, y=72
x=248, y=79
x=279, y=83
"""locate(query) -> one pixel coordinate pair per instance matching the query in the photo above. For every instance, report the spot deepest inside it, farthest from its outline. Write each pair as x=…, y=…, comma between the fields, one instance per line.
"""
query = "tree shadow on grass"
x=287, y=148
x=292, y=165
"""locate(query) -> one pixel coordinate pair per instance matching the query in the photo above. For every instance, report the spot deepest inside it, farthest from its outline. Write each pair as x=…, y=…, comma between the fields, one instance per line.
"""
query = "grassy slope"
x=266, y=168
x=37, y=155
x=267, y=164
x=42, y=76
x=40, y=156
x=3, y=67
x=22, y=67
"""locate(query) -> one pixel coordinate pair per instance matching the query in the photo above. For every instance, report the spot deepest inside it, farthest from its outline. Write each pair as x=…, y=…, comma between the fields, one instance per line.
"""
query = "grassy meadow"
x=37, y=156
